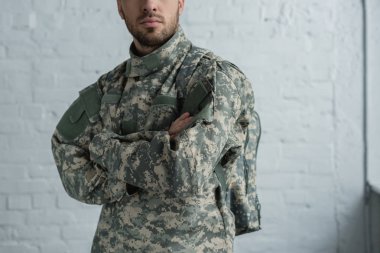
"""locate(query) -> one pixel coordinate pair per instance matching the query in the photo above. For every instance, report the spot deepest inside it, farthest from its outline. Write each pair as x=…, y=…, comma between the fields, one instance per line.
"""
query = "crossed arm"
x=89, y=182
x=99, y=171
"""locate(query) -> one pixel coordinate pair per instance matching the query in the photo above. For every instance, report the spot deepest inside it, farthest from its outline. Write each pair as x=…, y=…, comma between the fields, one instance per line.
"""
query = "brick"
x=8, y=5
x=79, y=245
x=8, y=96
x=3, y=203
x=277, y=180
x=23, y=21
x=9, y=112
x=307, y=152
x=22, y=50
x=54, y=65
x=96, y=65
x=224, y=14
x=66, y=202
x=23, y=141
x=44, y=172
x=46, y=126
x=268, y=156
x=20, y=91
x=17, y=158
x=44, y=201
x=56, y=246
x=37, y=232
x=50, y=217
x=6, y=21
x=12, y=218
x=15, y=247
x=13, y=172
x=72, y=5
x=6, y=233
x=88, y=214
x=2, y=52
x=25, y=186
x=4, y=140
x=51, y=37
x=42, y=156
x=49, y=7
x=78, y=232
x=19, y=202
x=45, y=96
x=204, y=15
x=32, y=111
x=11, y=127
x=315, y=182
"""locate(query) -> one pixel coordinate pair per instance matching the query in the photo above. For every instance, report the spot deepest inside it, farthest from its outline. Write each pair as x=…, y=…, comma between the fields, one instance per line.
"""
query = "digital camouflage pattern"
x=112, y=148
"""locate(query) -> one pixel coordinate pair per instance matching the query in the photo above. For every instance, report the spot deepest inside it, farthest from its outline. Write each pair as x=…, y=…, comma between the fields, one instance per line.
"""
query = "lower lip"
x=151, y=24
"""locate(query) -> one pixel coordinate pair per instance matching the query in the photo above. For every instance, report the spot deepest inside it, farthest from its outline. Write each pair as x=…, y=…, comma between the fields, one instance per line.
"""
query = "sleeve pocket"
x=82, y=112
x=74, y=121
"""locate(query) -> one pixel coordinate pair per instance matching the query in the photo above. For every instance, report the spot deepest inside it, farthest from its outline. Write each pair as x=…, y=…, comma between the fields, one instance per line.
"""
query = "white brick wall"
x=304, y=60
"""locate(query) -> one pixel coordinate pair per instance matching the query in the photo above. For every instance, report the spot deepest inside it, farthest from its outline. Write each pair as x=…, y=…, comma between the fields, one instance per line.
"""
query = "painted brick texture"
x=304, y=60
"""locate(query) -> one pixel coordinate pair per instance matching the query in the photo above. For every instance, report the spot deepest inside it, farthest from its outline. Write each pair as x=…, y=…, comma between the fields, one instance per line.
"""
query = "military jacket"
x=112, y=148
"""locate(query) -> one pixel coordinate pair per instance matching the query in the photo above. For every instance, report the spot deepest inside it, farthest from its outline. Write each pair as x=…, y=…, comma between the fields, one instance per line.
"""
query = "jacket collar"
x=164, y=56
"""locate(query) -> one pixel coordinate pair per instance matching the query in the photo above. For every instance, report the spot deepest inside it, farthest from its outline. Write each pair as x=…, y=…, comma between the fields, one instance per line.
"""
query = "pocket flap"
x=77, y=111
x=111, y=98
x=90, y=97
x=198, y=97
x=165, y=100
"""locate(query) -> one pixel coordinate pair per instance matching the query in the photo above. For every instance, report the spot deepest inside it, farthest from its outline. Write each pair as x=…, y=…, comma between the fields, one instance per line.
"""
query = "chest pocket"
x=163, y=112
x=109, y=110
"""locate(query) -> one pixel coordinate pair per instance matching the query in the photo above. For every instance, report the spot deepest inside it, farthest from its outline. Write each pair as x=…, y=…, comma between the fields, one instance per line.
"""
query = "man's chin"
x=152, y=36
x=152, y=30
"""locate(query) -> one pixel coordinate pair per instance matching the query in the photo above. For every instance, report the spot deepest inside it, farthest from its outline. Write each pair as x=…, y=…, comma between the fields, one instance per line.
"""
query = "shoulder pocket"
x=199, y=101
x=82, y=112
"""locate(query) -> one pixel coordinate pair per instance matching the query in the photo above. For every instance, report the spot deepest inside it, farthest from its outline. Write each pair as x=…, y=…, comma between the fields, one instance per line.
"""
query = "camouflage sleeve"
x=244, y=201
x=83, y=179
x=239, y=161
x=180, y=168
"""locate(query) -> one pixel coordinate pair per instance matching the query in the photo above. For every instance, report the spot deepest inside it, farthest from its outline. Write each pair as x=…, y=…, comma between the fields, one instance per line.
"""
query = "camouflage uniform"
x=112, y=148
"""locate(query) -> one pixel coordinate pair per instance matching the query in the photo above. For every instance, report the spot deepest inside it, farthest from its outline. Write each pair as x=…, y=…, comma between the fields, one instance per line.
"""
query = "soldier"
x=144, y=140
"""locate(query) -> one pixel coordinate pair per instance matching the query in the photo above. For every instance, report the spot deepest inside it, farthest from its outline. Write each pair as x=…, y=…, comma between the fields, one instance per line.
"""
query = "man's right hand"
x=180, y=124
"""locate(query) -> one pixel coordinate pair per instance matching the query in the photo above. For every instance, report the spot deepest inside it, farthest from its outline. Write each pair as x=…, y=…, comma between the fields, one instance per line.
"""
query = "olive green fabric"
x=83, y=110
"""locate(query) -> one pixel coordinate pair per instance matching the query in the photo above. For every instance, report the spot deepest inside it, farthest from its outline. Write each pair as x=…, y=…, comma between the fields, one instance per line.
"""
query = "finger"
x=180, y=124
x=183, y=124
x=184, y=116
x=187, y=121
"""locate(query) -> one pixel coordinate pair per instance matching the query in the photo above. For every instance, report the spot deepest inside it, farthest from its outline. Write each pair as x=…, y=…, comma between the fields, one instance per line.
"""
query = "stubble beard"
x=149, y=37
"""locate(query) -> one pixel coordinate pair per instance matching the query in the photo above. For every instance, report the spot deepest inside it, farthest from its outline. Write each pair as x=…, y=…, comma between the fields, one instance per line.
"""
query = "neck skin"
x=141, y=50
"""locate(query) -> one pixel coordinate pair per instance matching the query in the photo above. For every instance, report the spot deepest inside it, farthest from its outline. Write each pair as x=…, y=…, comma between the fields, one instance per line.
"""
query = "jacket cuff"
x=117, y=188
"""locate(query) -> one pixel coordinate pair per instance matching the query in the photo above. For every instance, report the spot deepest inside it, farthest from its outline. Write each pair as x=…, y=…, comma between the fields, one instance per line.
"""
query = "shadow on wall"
x=311, y=231
x=375, y=222
x=351, y=234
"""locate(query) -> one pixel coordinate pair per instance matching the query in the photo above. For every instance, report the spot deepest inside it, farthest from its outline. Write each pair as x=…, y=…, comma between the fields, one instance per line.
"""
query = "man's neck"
x=140, y=50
